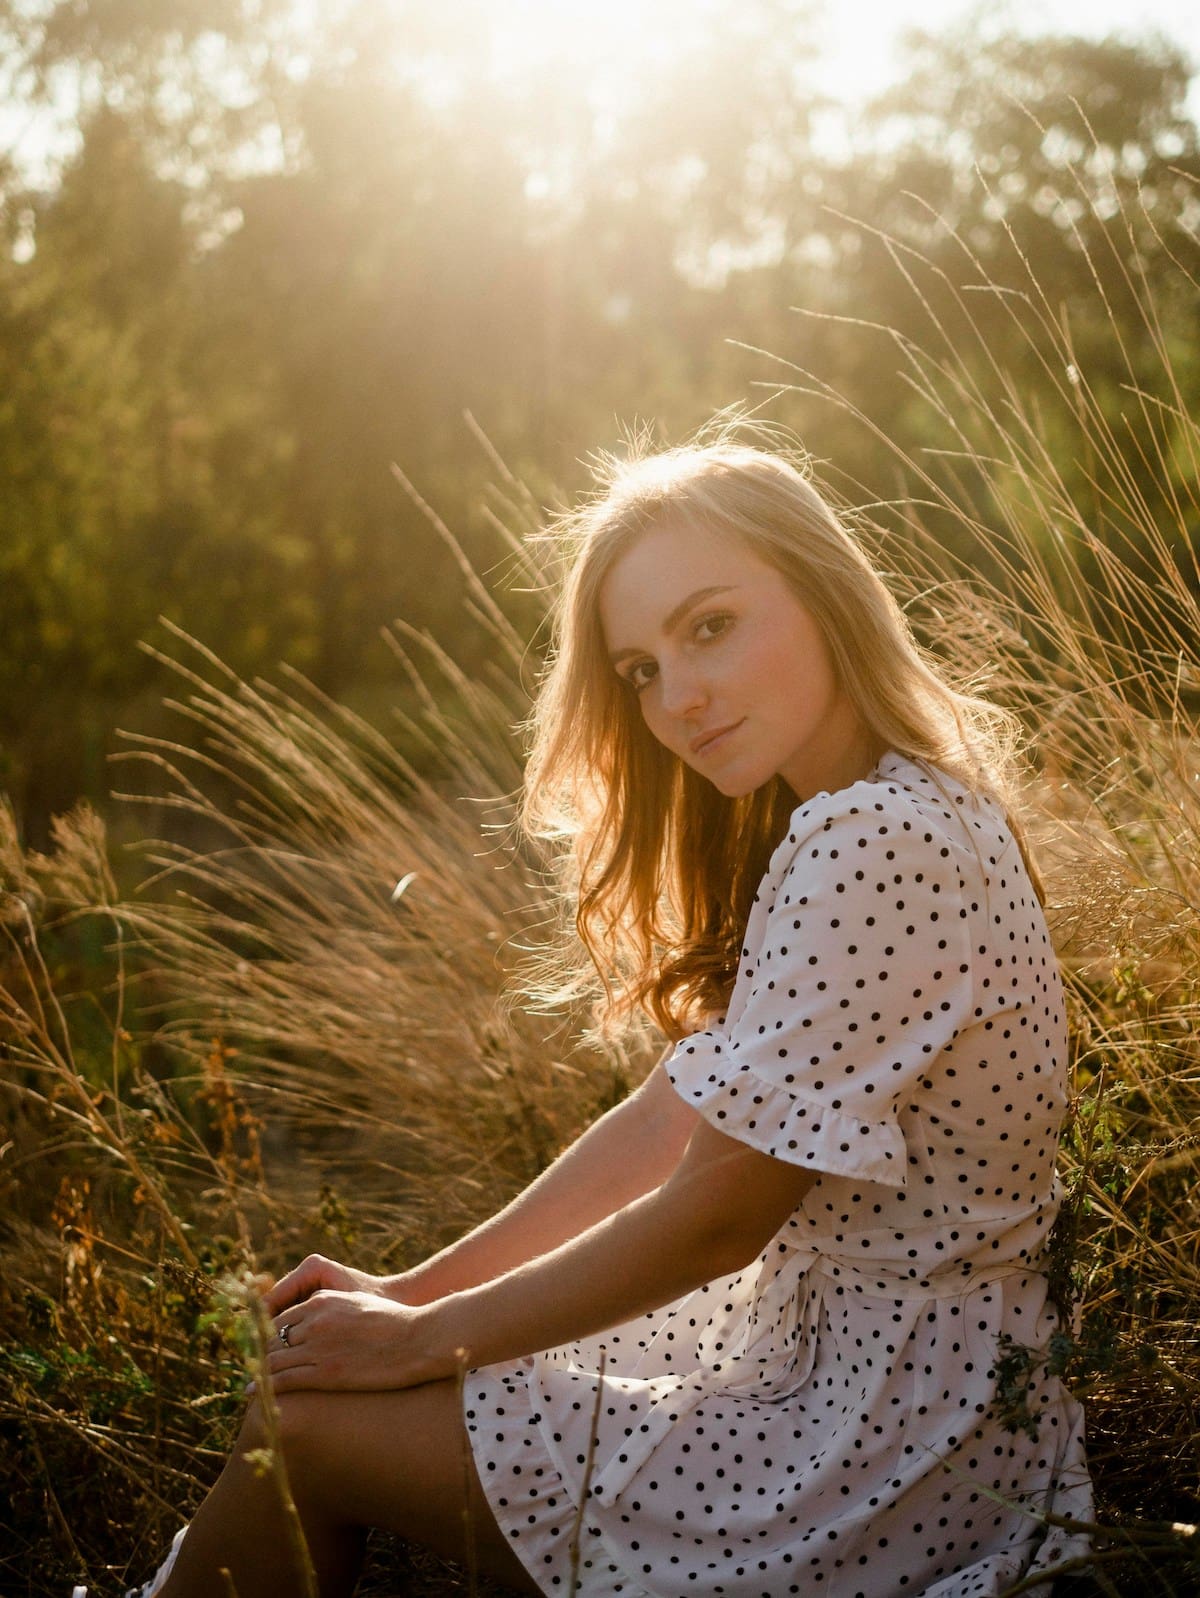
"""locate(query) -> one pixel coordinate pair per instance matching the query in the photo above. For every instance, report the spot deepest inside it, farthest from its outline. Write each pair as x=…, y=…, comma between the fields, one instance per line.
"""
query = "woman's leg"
x=399, y=1460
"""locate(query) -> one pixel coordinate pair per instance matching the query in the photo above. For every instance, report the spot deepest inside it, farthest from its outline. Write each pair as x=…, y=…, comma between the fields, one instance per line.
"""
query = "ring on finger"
x=284, y=1334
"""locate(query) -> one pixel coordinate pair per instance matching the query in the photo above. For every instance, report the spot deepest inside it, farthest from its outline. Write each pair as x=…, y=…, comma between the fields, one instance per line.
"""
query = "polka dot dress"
x=826, y=1422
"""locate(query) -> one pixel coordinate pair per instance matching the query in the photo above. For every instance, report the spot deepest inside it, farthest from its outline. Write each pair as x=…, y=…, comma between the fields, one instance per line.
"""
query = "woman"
x=741, y=1338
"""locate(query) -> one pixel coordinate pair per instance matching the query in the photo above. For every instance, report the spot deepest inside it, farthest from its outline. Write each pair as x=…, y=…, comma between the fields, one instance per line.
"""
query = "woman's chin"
x=737, y=785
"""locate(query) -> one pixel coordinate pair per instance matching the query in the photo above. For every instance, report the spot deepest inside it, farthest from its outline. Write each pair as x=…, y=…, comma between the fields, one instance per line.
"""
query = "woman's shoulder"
x=903, y=802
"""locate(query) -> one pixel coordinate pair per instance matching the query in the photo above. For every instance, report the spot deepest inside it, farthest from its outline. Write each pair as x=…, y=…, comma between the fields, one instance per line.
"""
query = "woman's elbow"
x=727, y=1242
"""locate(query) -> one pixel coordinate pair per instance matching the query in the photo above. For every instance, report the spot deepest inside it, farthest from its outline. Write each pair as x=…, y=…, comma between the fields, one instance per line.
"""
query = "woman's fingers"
x=283, y=1293
x=305, y=1279
x=342, y=1340
x=286, y=1331
x=310, y=1354
x=314, y=1275
x=289, y=1366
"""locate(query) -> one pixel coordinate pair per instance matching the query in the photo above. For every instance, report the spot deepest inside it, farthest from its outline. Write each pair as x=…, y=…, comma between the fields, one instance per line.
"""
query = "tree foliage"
x=296, y=243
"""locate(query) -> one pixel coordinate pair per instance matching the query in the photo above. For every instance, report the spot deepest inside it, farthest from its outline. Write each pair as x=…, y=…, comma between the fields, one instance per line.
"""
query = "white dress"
x=827, y=1421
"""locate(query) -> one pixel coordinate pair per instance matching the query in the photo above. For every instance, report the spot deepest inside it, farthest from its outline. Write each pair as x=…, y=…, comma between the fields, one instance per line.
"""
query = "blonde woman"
x=741, y=1338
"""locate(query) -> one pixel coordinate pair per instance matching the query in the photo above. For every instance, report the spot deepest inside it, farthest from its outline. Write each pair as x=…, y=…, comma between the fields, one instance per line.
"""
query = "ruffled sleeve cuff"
x=781, y=1119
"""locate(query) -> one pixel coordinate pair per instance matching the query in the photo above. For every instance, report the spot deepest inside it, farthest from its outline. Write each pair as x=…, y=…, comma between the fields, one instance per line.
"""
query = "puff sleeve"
x=855, y=975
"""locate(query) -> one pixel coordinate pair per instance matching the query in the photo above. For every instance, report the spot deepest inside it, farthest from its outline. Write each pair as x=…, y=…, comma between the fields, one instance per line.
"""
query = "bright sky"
x=860, y=44
x=861, y=37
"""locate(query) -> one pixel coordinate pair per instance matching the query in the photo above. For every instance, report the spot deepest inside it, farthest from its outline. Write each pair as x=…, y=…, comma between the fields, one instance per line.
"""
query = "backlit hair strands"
x=658, y=867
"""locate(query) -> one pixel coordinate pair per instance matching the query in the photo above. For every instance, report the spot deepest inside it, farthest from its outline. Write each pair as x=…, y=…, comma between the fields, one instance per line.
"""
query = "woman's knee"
x=300, y=1421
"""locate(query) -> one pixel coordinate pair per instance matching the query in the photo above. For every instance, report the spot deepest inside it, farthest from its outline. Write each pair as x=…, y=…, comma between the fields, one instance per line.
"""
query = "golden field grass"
x=281, y=1030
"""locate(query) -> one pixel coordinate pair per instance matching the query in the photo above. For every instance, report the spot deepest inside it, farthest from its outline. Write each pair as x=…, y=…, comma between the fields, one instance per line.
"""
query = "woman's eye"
x=640, y=676
x=710, y=627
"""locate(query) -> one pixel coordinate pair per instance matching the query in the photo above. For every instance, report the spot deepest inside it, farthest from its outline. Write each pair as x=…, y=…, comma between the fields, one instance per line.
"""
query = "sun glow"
x=602, y=57
x=567, y=51
x=580, y=32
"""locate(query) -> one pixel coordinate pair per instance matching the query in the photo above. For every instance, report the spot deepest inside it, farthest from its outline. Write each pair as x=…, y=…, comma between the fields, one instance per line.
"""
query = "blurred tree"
x=86, y=437
x=298, y=242
x=110, y=510
x=194, y=76
x=1028, y=185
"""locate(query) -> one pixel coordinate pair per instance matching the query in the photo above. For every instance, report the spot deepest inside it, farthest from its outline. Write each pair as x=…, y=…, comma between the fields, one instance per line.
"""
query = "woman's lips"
x=706, y=742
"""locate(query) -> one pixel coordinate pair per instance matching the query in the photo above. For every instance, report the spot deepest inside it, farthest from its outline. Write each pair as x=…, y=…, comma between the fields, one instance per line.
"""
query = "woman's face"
x=730, y=671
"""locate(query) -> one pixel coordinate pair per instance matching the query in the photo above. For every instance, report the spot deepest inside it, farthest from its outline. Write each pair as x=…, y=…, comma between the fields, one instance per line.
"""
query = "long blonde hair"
x=658, y=867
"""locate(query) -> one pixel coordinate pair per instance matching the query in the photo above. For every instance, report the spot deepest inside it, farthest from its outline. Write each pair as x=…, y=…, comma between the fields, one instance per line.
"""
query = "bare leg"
x=398, y=1460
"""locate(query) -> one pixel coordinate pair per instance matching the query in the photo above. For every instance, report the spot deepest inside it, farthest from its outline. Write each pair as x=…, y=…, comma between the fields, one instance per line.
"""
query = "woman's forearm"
x=617, y=1270
x=709, y=1219
x=625, y=1154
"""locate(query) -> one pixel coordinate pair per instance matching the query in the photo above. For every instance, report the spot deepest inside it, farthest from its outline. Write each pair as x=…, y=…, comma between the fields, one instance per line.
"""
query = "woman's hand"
x=314, y=1275
x=353, y=1341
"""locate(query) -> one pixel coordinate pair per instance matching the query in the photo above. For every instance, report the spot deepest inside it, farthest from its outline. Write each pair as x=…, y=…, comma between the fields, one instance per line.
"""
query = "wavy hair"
x=658, y=867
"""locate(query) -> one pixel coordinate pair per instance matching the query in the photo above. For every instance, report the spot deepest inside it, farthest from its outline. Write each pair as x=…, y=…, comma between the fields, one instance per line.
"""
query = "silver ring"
x=282, y=1334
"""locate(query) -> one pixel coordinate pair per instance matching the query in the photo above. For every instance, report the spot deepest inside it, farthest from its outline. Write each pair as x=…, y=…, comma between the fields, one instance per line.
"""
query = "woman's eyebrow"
x=674, y=617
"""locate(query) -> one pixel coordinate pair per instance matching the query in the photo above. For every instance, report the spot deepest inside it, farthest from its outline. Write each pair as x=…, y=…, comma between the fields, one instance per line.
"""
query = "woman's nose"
x=682, y=690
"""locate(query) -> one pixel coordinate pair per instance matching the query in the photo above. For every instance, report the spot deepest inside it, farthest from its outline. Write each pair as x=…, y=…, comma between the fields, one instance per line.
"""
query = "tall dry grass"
x=1046, y=548
x=288, y=1034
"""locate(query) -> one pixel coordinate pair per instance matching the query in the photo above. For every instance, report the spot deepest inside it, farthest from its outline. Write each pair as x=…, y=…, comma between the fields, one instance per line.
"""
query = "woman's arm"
x=626, y=1153
x=711, y=1216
